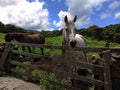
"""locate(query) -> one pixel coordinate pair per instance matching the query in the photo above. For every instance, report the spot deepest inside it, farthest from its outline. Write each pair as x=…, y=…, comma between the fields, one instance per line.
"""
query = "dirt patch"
x=10, y=83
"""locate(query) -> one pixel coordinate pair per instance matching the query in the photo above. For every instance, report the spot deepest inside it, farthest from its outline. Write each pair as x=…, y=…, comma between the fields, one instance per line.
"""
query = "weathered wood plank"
x=60, y=60
x=107, y=74
x=86, y=49
x=38, y=45
x=32, y=55
x=4, y=56
x=19, y=64
x=77, y=64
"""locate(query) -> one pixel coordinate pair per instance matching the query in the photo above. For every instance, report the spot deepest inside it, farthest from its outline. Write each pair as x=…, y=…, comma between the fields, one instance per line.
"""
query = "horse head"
x=70, y=32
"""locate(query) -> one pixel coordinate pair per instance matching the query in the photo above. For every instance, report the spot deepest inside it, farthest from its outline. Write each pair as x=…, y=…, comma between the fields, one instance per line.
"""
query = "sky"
x=49, y=14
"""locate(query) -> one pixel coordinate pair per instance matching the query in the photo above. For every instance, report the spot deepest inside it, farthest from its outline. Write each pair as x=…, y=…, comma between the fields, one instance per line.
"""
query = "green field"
x=91, y=42
x=57, y=40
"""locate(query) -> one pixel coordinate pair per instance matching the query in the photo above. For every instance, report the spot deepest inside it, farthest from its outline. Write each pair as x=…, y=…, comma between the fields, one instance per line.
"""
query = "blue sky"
x=49, y=14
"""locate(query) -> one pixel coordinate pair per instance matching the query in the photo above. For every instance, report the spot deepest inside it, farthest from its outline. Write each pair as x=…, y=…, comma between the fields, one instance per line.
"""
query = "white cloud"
x=115, y=4
x=117, y=15
x=56, y=0
x=29, y=15
x=61, y=15
x=104, y=15
x=112, y=7
x=52, y=0
x=4, y=3
x=82, y=8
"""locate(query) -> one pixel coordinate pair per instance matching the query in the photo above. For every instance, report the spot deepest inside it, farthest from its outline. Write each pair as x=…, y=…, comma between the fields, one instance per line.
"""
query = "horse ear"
x=66, y=19
x=75, y=18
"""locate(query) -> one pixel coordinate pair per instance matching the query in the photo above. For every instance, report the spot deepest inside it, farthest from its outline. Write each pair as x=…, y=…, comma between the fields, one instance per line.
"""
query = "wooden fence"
x=104, y=71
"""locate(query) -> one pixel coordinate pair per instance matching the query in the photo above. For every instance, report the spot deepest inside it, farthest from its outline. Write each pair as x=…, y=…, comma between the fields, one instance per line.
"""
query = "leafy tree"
x=2, y=27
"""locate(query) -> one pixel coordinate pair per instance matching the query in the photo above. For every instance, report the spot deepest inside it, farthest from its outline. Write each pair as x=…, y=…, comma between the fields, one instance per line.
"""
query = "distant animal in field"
x=26, y=38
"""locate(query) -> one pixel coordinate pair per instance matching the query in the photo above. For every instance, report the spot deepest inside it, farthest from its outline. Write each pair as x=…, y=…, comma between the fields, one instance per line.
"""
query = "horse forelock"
x=71, y=23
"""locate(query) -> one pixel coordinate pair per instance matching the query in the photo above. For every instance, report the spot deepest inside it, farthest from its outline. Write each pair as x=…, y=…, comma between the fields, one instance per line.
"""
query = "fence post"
x=107, y=73
x=4, y=56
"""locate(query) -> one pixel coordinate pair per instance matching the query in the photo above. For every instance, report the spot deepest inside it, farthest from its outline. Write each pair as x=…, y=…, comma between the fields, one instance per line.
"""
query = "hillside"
x=109, y=33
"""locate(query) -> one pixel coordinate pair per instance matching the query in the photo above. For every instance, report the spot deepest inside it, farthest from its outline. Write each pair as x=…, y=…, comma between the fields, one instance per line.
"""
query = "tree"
x=2, y=27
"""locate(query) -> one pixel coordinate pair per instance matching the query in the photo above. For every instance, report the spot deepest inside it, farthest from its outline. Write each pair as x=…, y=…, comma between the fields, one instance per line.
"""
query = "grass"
x=94, y=43
x=2, y=37
x=57, y=40
x=54, y=40
x=91, y=42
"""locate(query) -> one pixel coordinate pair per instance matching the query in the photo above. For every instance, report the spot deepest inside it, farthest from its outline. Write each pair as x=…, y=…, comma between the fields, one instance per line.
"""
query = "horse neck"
x=80, y=40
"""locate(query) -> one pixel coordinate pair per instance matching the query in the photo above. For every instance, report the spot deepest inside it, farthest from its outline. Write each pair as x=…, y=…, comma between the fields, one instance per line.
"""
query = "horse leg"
x=29, y=49
x=42, y=51
x=86, y=59
x=23, y=48
x=33, y=49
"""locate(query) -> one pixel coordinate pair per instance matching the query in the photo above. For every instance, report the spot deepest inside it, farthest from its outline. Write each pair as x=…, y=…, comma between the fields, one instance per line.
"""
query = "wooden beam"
x=107, y=73
x=60, y=60
x=86, y=49
x=4, y=56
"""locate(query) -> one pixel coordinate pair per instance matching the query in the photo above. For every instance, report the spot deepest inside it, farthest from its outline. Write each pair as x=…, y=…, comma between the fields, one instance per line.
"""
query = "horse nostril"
x=73, y=44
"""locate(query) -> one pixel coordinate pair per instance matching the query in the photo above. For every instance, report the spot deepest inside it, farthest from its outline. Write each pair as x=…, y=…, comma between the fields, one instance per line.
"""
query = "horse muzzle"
x=73, y=44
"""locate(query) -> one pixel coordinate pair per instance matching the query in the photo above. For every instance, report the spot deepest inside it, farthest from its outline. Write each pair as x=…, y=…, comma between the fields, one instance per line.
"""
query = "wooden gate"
x=104, y=70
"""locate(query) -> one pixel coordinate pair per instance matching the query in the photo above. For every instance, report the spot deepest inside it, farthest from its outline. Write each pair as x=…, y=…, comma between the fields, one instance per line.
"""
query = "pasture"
x=56, y=40
x=91, y=42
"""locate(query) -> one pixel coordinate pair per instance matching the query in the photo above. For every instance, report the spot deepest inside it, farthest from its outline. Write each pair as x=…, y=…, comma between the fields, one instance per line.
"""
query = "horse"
x=26, y=38
x=70, y=37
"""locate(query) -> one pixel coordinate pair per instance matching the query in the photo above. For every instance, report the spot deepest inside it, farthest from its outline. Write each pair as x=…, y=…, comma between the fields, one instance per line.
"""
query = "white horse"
x=72, y=40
